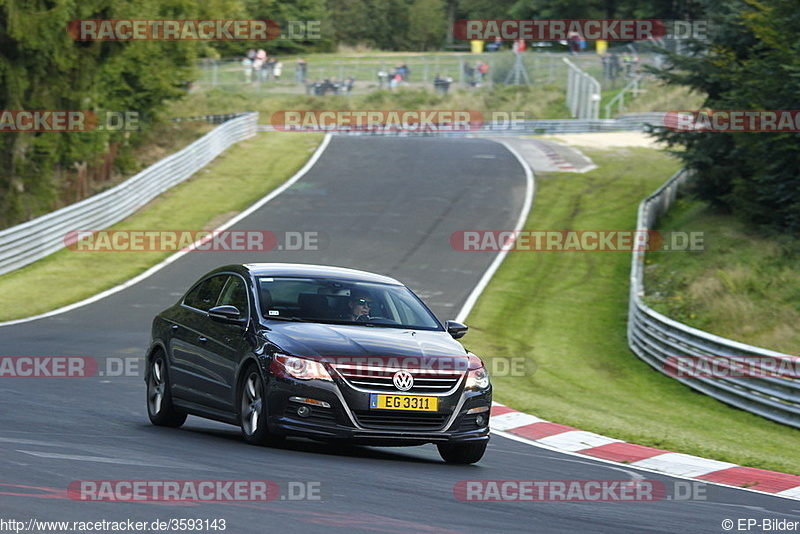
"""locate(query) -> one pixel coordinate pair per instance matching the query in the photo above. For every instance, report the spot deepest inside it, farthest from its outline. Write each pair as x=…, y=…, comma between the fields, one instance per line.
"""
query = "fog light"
x=480, y=419
x=313, y=402
x=304, y=411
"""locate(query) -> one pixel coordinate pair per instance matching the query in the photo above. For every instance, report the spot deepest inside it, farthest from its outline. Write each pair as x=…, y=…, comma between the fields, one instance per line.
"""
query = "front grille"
x=426, y=381
x=405, y=420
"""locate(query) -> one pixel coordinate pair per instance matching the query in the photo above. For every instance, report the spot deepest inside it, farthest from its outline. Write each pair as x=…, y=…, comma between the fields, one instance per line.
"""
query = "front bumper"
x=349, y=417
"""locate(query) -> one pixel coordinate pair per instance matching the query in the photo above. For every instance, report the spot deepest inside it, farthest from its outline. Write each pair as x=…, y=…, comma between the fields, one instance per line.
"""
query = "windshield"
x=343, y=302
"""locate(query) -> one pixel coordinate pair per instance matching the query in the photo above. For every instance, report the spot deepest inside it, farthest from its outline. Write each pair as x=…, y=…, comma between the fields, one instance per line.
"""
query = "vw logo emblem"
x=403, y=380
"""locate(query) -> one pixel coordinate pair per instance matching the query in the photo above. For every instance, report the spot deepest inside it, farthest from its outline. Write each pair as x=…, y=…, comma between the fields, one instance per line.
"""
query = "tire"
x=253, y=409
x=160, y=409
x=462, y=453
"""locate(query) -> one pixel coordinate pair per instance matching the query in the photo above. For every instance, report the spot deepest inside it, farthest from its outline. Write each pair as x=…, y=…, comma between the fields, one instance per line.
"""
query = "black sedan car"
x=318, y=352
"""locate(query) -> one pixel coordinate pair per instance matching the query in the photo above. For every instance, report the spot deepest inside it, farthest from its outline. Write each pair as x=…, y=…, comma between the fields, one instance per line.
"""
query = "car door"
x=189, y=341
x=225, y=346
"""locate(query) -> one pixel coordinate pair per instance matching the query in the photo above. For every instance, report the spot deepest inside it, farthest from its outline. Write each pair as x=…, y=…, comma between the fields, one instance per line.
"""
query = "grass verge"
x=565, y=314
x=542, y=101
x=230, y=184
x=743, y=284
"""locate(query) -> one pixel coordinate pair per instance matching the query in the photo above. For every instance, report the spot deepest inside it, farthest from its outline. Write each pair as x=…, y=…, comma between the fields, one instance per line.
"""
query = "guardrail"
x=33, y=240
x=583, y=93
x=619, y=99
x=758, y=380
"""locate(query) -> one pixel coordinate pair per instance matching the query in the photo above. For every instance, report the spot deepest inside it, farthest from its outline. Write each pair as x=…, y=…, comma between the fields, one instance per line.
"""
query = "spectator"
x=404, y=72
x=394, y=79
x=258, y=69
x=259, y=65
x=348, y=86
x=469, y=74
x=615, y=68
x=277, y=69
x=442, y=85
x=383, y=77
x=483, y=69
x=247, y=65
x=300, y=70
x=270, y=67
x=573, y=38
x=495, y=45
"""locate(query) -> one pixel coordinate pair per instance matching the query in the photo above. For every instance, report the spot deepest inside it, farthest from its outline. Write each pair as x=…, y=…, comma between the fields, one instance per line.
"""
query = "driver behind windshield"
x=359, y=304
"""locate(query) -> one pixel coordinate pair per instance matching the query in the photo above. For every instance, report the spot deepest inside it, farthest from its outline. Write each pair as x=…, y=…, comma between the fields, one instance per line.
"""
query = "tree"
x=43, y=68
x=751, y=62
x=427, y=23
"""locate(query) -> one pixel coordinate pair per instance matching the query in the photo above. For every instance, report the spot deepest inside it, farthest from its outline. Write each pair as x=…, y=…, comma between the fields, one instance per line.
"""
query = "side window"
x=235, y=294
x=204, y=296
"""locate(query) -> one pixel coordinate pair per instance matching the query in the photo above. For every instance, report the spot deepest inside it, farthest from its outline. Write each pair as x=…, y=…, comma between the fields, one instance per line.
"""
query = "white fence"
x=25, y=243
x=583, y=93
x=758, y=380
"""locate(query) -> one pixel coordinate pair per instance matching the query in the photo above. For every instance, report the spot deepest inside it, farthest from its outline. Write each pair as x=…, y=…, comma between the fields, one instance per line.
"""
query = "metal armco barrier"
x=666, y=344
x=30, y=241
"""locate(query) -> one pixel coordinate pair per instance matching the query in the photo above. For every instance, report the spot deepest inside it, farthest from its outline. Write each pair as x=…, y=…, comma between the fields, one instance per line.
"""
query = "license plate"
x=403, y=402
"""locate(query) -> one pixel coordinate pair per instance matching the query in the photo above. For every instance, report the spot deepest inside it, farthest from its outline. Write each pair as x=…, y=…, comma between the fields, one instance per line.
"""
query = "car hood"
x=368, y=345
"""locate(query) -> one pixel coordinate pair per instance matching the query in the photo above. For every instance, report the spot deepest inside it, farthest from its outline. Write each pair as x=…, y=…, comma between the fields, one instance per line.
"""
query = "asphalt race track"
x=384, y=205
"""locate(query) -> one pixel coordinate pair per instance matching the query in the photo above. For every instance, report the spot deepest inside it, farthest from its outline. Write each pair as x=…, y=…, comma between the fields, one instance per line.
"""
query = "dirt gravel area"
x=610, y=140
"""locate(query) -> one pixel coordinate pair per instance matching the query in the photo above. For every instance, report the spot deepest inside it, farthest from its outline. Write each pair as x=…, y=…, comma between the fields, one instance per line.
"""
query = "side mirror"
x=226, y=314
x=457, y=330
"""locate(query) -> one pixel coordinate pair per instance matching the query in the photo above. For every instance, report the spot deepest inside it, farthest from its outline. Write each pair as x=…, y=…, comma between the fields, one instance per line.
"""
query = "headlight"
x=299, y=368
x=478, y=379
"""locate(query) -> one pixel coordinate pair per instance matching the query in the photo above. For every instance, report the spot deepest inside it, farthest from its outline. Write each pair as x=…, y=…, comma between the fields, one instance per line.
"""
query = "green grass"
x=543, y=101
x=742, y=285
x=653, y=96
x=564, y=314
x=230, y=184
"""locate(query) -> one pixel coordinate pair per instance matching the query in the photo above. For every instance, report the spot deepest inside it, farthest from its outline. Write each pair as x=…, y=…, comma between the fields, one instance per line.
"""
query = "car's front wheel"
x=160, y=409
x=462, y=453
x=253, y=409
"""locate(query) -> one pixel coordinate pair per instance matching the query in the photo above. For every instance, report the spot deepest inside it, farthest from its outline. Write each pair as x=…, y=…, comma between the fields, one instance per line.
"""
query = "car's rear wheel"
x=160, y=409
x=253, y=409
x=462, y=453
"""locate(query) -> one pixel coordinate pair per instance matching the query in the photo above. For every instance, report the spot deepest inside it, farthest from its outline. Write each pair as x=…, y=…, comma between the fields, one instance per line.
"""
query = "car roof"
x=301, y=269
